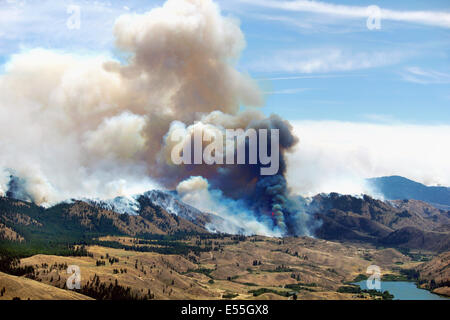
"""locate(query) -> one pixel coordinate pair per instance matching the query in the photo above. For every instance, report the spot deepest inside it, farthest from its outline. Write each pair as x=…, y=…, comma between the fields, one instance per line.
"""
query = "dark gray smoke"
x=266, y=196
x=17, y=189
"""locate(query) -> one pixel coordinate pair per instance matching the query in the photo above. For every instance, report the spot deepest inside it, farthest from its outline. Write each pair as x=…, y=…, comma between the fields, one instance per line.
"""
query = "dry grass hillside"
x=234, y=268
x=23, y=288
x=435, y=274
x=9, y=234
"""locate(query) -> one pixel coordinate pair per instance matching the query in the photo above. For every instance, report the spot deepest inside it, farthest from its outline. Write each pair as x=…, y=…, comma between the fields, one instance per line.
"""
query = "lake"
x=403, y=290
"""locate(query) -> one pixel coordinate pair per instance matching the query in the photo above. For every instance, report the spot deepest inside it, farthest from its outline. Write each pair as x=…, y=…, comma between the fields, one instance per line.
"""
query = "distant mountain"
x=152, y=213
x=77, y=220
x=400, y=223
x=399, y=188
x=138, y=205
x=134, y=205
x=397, y=223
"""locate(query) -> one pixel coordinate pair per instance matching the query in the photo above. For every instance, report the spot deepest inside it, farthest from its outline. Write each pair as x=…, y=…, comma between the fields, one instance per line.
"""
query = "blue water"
x=403, y=290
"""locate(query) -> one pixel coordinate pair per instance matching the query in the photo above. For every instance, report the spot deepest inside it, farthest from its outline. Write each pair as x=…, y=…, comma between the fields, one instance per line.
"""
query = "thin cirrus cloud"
x=26, y=24
x=326, y=60
x=317, y=76
x=287, y=91
x=431, y=18
x=308, y=24
x=422, y=76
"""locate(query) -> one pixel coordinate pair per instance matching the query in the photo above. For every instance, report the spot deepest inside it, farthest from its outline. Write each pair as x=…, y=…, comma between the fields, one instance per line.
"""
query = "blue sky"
x=313, y=60
x=400, y=72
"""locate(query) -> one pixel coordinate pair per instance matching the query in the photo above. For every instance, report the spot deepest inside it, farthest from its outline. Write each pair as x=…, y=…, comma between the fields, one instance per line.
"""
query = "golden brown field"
x=231, y=269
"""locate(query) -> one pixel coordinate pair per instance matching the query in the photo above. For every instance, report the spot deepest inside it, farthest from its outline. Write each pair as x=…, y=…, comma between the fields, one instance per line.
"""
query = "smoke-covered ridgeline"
x=95, y=126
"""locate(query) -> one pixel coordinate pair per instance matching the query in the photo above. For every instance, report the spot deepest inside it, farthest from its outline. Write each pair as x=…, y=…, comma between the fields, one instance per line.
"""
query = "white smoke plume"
x=196, y=192
x=337, y=156
x=93, y=126
x=4, y=179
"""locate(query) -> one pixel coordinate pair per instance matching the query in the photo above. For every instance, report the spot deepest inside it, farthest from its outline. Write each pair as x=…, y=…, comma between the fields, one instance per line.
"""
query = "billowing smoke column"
x=265, y=195
x=17, y=189
x=237, y=217
x=94, y=126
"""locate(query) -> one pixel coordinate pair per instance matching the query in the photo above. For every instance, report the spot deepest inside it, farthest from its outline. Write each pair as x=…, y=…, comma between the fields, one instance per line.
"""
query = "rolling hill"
x=23, y=288
x=407, y=223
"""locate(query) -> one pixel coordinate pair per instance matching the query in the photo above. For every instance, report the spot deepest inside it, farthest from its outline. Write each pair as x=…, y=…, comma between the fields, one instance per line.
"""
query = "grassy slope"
x=321, y=266
x=29, y=289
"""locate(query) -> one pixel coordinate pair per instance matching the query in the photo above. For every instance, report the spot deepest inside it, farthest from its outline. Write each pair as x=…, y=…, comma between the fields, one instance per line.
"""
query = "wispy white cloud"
x=432, y=18
x=302, y=24
x=27, y=24
x=308, y=23
x=287, y=91
x=317, y=76
x=422, y=76
x=325, y=60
